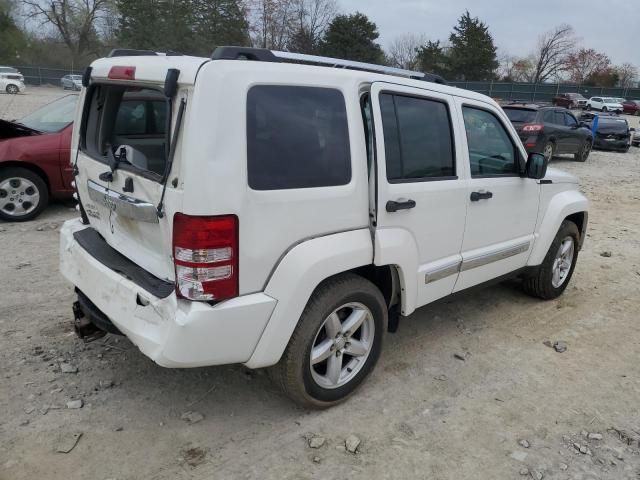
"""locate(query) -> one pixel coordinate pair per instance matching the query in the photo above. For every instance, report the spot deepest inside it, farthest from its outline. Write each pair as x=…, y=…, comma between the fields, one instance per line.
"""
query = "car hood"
x=10, y=129
x=558, y=176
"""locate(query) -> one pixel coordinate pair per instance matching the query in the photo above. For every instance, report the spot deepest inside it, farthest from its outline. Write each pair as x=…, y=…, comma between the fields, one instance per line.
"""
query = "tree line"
x=71, y=33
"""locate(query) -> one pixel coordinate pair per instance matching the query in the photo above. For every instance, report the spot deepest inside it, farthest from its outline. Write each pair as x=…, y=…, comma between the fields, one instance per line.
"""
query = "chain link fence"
x=543, y=92
x=37, y=75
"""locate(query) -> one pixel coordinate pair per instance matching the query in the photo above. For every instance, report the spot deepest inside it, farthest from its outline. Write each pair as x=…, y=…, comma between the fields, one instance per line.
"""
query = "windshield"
x=610, y=100
x=612, y=125
x=75, y=77
x=520, y=115
x=54, y=116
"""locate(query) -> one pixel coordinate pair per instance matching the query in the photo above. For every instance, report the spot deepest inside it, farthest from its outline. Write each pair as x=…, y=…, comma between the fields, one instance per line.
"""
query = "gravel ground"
x=513, y=408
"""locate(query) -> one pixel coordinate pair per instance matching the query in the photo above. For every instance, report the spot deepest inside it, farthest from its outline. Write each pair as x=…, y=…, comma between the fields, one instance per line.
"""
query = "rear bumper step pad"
x=98, y=248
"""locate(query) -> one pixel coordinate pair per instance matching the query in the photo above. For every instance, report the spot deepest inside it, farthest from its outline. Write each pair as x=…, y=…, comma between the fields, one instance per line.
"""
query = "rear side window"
x=417, y=138
x=297, y=137
x=129, y=119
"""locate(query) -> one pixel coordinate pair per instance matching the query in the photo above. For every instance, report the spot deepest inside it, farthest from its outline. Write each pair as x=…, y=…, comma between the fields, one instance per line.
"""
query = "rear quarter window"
x=297, y=137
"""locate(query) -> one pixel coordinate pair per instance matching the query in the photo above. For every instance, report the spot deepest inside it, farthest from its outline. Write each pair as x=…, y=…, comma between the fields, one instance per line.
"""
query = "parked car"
x=569, y=100
x=635, y=138
x=34, y=159
x=276, y=230
x=604, y=104
x=612, y=133
x=550, y=130
x=631, y=107
x=71, y=82
x=11, y=80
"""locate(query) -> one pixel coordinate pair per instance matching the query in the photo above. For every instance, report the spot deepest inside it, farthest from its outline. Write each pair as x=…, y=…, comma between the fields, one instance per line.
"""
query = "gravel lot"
x=513, y=408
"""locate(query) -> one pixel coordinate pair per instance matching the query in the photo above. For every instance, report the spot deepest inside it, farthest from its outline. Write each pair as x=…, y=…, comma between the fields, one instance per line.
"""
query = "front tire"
x=605, y=109
x=23, y=194
x=336, y=343
x=552, y=277
x=12, y=89
x=582, y=154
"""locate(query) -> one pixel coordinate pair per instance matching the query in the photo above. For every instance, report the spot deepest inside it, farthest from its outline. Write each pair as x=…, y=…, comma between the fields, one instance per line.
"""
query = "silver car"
x=71, y=82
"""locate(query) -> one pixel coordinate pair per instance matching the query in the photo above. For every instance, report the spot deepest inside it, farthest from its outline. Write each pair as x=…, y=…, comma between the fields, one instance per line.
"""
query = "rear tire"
x=23, y=194
x=549, y=151
x=551, y=278
x=582, y=154
x=323, y=328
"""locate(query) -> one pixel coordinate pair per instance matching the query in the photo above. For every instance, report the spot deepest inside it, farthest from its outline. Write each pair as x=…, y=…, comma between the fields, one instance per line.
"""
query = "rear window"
x=297, y=137
x=130, y=120
x=520, y=115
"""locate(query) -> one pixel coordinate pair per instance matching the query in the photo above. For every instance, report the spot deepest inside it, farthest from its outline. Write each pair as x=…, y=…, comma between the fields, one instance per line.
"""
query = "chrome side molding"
x=474, y=262
x=123, y=205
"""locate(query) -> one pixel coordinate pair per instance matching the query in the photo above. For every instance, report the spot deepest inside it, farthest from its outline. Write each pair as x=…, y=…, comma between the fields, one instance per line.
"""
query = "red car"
x=632, y=107
x=34, y=160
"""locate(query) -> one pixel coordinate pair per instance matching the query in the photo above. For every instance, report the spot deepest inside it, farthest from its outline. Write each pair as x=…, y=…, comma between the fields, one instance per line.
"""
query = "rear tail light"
x=205, y=254
x=533, y=127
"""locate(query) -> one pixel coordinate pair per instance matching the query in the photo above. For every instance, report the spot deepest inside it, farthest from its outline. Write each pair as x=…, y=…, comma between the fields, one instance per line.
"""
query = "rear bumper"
x=611, y=145
x=170, y=331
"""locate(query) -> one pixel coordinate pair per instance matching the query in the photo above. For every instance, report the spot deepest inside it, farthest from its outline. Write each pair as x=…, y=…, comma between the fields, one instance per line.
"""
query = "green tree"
x=352, y=37
x=472, y=53
x=432, y=58
x=187, y=26
x=12, y=40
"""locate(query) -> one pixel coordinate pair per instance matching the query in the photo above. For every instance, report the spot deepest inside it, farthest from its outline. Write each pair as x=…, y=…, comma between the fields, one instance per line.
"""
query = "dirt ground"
x=514, y=408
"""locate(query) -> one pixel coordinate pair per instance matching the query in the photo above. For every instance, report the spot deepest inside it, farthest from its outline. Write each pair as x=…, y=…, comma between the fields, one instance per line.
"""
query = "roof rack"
x=264, y=55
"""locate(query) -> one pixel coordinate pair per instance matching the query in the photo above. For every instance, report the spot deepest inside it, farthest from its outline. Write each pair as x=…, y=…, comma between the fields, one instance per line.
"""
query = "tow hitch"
x=83, y=327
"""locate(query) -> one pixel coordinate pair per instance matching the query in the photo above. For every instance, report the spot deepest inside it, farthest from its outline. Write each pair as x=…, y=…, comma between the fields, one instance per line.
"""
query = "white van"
x=283, y=210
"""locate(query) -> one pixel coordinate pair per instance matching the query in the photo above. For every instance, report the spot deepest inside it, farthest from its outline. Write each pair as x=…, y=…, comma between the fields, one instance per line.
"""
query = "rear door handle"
x=393, y=206
x=475, y=196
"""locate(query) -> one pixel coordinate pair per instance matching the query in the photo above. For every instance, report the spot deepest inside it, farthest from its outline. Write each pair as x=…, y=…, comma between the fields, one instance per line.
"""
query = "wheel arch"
x=568, y=205
x=302, y=270
x=28, y=166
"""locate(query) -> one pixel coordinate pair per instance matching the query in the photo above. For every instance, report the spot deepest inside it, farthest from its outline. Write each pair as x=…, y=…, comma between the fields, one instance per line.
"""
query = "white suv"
x=605, y=104
x=11, y=80
x=264, y=208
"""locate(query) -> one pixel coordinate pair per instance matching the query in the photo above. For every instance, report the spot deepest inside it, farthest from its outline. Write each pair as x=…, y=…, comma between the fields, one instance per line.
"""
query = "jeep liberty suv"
x=289, y=212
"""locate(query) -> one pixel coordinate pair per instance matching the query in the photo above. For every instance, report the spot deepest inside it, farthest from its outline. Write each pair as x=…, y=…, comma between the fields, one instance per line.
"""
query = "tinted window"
x=558, y=118
x=548, y=117
x=417, y=138
x=297, y=137
x=491, y=151
x=132, y=118
x=569, y=120
x=520, y=115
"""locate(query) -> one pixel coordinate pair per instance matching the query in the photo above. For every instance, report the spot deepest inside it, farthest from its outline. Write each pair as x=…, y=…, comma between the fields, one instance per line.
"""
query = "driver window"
x=491, y=151
x=570, y=121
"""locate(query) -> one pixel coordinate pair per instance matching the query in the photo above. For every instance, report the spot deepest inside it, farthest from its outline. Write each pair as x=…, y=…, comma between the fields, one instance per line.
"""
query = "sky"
x=609, y=26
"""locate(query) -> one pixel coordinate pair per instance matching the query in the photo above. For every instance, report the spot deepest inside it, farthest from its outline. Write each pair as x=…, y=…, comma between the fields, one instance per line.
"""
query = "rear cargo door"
x=127, y=124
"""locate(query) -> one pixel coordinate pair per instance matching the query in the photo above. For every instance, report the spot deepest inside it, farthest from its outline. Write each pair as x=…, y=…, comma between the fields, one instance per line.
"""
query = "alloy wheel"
x=563, y=261
x=342, y=345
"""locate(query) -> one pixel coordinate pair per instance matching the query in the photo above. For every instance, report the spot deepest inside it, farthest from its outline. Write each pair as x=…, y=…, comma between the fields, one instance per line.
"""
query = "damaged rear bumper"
x=171, y=331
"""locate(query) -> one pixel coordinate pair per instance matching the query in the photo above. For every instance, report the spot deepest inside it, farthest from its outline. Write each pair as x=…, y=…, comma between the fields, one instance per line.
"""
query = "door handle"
x=393, y=206
x=475, y=196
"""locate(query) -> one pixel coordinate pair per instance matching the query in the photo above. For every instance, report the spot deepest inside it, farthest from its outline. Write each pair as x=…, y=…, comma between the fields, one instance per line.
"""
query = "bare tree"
x=585, y=63
x=403, y=51
x=272, y=22
x=628, y=75
x=77, y=22
x=552, y=52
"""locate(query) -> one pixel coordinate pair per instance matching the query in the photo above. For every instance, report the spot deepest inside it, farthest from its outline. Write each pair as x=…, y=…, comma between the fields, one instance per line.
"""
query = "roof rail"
x=264, y=55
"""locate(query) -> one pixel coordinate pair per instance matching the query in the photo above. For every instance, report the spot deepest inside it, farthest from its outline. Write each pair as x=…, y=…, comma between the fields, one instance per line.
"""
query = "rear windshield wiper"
x=113, y=164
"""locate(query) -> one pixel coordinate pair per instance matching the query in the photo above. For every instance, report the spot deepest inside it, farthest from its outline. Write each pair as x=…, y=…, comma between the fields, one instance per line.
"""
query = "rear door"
x=502, y=207
x=421, y=199
x=122, y=205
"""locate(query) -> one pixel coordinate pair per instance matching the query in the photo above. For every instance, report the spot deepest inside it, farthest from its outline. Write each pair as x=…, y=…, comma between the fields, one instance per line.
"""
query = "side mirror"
x=632, y=129
x=536, y=166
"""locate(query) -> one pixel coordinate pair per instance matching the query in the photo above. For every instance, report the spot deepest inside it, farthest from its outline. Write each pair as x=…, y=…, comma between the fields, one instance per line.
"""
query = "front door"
x=502, y=207
x=421, y=189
